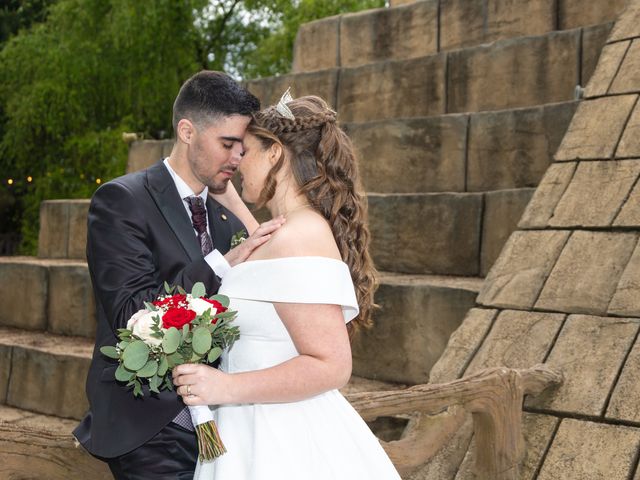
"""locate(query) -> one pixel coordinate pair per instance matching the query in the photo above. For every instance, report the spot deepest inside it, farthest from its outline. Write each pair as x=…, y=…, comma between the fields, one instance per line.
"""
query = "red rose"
x=172, y=301
x=216, y=304
x=177, y=317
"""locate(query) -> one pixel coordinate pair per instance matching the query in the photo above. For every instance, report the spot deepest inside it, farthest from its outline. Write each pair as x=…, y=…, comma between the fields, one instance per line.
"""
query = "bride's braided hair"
x=325, y=168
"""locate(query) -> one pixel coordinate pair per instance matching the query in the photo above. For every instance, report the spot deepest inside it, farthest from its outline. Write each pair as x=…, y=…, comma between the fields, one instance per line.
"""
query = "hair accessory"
x=282, y=108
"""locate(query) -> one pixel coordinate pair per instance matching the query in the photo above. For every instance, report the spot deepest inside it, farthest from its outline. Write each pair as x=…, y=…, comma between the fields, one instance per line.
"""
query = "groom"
x=146, y=228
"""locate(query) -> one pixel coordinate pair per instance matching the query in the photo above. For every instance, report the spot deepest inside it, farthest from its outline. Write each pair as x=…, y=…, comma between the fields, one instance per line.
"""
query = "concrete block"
x=627, y=80
x=389, y=34
x=519, y=273
x=622, y=406
x=23, y=293
x=585, y=276
x=514, y=73
x=71, y=306
x=416, y=155
x=143, y=154
x=77, y=238
x=612, y=180
x=590, y=352
x=462, y=345
x=596, y=128
x=608, y=64
x=317, y=45
x=629, y=145
x=593, y=41
x=430, y=309
x=629, y=216
x=513, y=148
x=547, y=195
x=464, y=23
x=394, y=89
x=628, y=24
x=5, y=371
x=426, y=233
x=625, y=299
x=582, y=450
x=53, y=237
x=502, y=211
x=575, y=13
x=517, y=340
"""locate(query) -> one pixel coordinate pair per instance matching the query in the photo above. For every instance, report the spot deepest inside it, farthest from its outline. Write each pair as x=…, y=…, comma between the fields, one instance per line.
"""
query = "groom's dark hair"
x=209, y=95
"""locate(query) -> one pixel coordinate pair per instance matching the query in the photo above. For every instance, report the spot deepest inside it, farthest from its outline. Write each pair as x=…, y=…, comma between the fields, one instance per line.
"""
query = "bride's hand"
x=260, y=236
x=199, y=384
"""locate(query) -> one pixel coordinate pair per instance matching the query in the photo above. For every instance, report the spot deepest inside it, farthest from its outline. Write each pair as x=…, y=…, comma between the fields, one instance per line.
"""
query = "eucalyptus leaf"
x=163, y=366
x=214, y=354
x=135, y=356
x=150, y=306
x=201, y=340
x=227, y=314
x=149, y=370
x=137, y=389
x=154, y=383
x=171, y=340
x=181, y=290
x=198, y=290
x=223, y=299
x=109, y=351
x=124, y=375
x=176, y=359
x=195, y=358
x=124, y=344
x=168, y=288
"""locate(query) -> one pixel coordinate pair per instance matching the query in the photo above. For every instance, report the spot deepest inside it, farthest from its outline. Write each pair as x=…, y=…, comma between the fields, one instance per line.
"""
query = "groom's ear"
x=185, y=131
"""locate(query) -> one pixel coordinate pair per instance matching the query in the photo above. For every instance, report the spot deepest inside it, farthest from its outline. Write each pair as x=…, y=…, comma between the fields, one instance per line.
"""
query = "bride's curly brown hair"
x=325, y=168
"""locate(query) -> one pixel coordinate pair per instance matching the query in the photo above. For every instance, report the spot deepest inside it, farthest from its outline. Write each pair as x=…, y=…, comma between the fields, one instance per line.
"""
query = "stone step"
x=428, y=27
x=43, y=372
x=36, y=447
x=418, y=314
x=51, y=295
x=63, y=229
x=519, y=72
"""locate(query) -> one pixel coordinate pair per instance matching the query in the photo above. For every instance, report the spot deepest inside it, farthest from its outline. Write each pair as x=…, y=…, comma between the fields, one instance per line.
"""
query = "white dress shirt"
x=215, y=259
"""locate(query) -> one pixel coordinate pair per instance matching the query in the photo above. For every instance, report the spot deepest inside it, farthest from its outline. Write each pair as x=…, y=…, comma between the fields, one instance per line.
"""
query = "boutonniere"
x=238, y=237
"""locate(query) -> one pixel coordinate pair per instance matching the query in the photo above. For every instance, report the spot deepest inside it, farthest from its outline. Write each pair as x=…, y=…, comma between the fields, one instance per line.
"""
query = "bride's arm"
x=231, y=200
x=323, y=364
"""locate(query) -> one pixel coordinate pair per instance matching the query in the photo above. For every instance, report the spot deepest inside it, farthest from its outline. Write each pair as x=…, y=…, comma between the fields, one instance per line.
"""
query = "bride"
x=275, y=397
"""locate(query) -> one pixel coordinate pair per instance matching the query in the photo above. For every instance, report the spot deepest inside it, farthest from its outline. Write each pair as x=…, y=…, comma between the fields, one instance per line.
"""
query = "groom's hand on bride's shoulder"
x=259, y=237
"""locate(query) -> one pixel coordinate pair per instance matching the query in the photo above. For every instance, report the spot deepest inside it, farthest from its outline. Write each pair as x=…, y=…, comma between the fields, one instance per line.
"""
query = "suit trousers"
x=170, y=455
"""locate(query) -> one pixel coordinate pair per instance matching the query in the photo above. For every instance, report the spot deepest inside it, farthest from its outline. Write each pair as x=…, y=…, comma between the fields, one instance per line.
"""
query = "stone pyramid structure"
x=456, y=108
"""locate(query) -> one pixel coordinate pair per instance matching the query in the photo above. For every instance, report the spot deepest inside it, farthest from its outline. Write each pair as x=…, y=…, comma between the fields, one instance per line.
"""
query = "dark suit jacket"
x=139, y=235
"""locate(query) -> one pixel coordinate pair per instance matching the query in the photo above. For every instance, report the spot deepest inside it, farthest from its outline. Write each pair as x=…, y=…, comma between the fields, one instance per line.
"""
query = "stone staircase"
x=454, y=134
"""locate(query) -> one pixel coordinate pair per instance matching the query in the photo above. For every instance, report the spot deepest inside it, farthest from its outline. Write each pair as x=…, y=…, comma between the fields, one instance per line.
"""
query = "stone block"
x=430, y=309
x=322, y=83
x=394, y=89
x=53, y=237
x=629, y=145
x=628, y=24
x=589, y=351
x=586, y=450
x=71, y=306
x=143, y=154
x=77, y=240
x=389, y=34
x=629, y=216
x=514, y=73
x=596, y=193
x=48, y=374
x=593, y=41
x=608, y=64
x=627, y=80
x=623, y=405
x=519, y=273
x=513, y=148
x=397, y=3
x=625, y=299
x=5, y=371
x=502, y=211
x=426, y=233
x=317, y=45
x=23, y=293
x=462, y=345
x=465, y=23
x=417, y=155
x=575, y=13
x=596, y=128
x=547, y=195
x=517, y=340
x=585, y=276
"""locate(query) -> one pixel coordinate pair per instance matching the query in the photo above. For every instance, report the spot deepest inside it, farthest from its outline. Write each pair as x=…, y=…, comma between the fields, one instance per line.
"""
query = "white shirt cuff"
x=218, y=263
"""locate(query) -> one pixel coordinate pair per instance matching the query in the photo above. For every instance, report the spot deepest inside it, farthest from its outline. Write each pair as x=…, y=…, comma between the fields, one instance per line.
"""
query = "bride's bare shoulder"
x=305, y=233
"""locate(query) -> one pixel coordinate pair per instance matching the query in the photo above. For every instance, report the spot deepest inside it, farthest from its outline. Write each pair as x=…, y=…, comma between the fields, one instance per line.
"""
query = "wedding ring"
x=189, y=390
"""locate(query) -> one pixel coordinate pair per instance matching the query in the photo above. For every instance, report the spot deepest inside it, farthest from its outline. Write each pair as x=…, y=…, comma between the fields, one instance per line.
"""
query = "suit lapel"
x=163, y=191
x=219, y=226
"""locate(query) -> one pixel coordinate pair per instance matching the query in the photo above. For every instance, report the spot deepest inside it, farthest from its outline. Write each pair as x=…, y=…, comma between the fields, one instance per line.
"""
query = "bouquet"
x=171, y=330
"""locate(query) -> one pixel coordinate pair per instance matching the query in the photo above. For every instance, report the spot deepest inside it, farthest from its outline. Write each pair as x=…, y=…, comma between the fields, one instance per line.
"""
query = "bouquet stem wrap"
x=210, y=444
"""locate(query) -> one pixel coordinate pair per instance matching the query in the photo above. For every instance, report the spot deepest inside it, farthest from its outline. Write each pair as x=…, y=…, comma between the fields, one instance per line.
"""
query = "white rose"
x=140, y=324
x=199, y=306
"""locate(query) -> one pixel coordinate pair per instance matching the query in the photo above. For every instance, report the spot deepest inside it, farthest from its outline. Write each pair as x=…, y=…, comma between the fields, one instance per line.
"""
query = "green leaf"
x=195, y=358
x=185, y=330
x=198, y=290
x=223, y=299
x=168, y=288
x=109, y=351
x=181, y=290
x=150, y=306
x=214, y=354
x=135, y=356
x=227, y=314
x=176, y=359
x=137, y=389
x=171, y=340
x=124, y=375
x=154, y=383
x=201, y=340
x=163, y=366
x=149, y=370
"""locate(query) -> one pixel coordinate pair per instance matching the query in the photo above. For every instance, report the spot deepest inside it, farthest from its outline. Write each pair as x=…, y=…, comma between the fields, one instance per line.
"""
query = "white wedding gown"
x=320, y=438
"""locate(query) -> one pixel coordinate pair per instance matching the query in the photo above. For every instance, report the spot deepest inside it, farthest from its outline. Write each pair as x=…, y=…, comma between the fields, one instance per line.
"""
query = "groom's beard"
x=221, y=185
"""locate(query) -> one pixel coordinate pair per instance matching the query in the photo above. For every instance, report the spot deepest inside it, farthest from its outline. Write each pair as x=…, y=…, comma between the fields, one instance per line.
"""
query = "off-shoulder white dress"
x=320, y=438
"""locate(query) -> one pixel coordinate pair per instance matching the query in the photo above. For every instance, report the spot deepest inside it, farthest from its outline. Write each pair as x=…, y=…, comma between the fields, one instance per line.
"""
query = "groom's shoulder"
x=133, y=183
